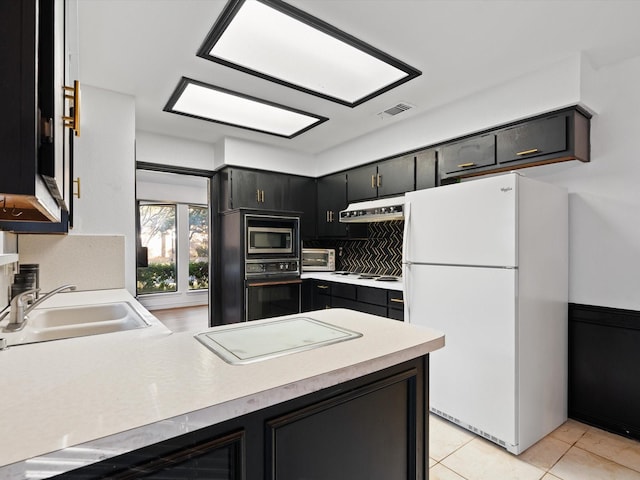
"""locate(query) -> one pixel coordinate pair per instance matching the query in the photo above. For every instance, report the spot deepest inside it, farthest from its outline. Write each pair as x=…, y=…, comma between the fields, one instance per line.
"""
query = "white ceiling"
x=143, y=47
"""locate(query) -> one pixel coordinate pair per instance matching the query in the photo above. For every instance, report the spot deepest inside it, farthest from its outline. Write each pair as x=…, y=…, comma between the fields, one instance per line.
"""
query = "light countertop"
x=85, y=399
x=353, y=280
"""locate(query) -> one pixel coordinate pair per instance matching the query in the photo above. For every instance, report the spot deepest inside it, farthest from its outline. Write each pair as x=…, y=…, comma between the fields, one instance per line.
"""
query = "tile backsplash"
x=380, y=253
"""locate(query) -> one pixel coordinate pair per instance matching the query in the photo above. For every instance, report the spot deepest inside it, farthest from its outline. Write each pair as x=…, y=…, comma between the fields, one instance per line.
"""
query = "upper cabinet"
x=34, y=184
x=257, y=189
x=386, y=178
x=551, y=138
x=332, y=197
x=469, y=154
x=426, y=169
x=532, y=139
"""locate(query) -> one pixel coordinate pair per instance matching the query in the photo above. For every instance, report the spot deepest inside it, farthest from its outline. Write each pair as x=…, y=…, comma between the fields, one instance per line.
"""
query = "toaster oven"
x=318, y=259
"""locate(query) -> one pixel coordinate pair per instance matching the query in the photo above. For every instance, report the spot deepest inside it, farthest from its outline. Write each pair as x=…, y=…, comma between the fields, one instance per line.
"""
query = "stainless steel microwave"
x=266, y=235
x=318, y=259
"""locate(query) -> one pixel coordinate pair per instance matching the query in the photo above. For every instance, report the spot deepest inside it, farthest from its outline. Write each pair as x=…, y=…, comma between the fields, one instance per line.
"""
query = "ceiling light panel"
x=278, y=42
x=208, y=102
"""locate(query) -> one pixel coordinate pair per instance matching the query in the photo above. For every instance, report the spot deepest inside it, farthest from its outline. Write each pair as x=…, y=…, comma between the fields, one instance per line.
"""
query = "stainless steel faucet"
x=19, y=309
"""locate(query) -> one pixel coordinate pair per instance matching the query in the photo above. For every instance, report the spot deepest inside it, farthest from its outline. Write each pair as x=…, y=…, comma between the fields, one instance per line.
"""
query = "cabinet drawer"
x=372, y=295
x=532, y=139
x=395, y=299
x=322, y=288
x=469, y=154
x=396, y=314
x=343, y=290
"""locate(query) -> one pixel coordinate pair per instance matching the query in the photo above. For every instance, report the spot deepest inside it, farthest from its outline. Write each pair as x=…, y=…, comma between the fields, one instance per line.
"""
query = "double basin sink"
x=58, y=323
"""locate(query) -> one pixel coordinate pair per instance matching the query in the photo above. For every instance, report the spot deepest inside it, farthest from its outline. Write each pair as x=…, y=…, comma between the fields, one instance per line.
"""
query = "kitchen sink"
x=69, y=322
x=252, y=342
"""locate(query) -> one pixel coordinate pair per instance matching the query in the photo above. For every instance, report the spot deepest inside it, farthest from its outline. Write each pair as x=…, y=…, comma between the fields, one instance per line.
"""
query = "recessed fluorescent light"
x=275, y=41
x=207, y=102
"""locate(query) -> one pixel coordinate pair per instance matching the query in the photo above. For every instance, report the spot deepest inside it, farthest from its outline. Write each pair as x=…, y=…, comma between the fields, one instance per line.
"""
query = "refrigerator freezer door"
x=470, y=223
x=473, y=378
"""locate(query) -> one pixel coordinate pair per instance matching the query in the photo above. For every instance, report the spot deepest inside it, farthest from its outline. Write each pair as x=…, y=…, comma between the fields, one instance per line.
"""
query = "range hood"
x=381, y=210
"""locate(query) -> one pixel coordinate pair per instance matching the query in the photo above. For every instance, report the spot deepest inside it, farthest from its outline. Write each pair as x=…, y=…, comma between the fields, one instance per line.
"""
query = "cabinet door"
x=243, y=189
x=273, y=190
x=396, y=176
x=362, y=183
x=332, y=197
x=368, y=433
x=302, y=198
x=469, y=154
x=321, y=295
x=376, y=296
x=426, y=169
x=532, y=139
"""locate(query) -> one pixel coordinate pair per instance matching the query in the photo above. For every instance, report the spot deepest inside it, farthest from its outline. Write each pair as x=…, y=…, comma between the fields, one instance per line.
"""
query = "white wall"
x=604, y=226
x=242, y=153
x=536, y=92
x=165, y=150
x=104, y=161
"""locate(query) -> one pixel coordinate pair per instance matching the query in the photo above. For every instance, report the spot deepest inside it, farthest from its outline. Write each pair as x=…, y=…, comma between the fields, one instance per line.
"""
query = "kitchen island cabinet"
x=170, y=397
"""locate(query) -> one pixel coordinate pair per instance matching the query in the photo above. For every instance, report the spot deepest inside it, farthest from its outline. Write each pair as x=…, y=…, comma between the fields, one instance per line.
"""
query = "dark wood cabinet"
x=468, y=154
x=362, y=183
x=426, y=169
x=555, y=137
x=376, y=301
x=302, y=198
x=532, y=139
x=31, y=127
x=395, y=304
x=386, y=178
x=313, y=443
x=373, y=427
x=603, y=381
x=253, y=189
x=332, y=197
x=257, y=189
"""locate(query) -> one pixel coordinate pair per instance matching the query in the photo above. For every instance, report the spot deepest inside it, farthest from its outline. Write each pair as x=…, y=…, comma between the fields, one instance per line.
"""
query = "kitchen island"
x=109, y=400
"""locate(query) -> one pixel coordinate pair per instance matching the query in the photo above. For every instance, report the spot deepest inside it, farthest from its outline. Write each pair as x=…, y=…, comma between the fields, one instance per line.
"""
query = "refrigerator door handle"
x=405, y=233
x=405, y=261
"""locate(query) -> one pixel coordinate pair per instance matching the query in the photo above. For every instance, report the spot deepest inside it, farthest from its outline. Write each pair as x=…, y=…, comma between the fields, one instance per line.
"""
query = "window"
x=198, y=247
x=158, y=234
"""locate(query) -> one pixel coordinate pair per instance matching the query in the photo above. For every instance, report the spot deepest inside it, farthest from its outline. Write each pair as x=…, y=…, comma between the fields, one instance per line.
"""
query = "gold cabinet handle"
x=323, y=287
x=77, y=182
x=257, y=195
x=326, y=216
x=262, y=196
x=397, y=300
x=373, y=181
x=379, y=181
x=465, y=165
x=331, y=216
x=528, y=152
x=73, y=121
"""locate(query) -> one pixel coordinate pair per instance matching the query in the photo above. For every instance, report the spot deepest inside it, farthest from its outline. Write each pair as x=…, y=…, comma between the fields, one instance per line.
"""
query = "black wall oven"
x=272, y=266
x=259, y=265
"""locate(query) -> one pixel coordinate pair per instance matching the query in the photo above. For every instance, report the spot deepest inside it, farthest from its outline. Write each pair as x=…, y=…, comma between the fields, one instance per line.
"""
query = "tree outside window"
x=158, y=234
x=198, y=247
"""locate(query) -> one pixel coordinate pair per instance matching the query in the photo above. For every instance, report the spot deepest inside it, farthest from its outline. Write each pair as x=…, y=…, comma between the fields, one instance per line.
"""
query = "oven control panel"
x=287, y=267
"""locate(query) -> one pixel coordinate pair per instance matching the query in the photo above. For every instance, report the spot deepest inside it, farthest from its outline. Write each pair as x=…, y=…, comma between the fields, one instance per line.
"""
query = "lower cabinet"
x=318, y=294
x=373, y=428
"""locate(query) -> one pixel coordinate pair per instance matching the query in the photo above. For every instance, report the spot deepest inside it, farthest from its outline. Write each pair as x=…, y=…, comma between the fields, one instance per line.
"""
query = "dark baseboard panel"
x=604, y=368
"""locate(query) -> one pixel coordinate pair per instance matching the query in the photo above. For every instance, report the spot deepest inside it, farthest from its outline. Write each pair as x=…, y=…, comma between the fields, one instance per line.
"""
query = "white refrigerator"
x=486, y=262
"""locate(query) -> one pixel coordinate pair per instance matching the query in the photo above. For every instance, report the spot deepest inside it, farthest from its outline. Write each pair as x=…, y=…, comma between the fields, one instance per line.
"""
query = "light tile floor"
x=574, y=451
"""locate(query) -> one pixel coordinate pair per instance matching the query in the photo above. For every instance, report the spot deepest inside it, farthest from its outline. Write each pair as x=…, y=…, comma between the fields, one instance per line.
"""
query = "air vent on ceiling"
x=396, y=109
